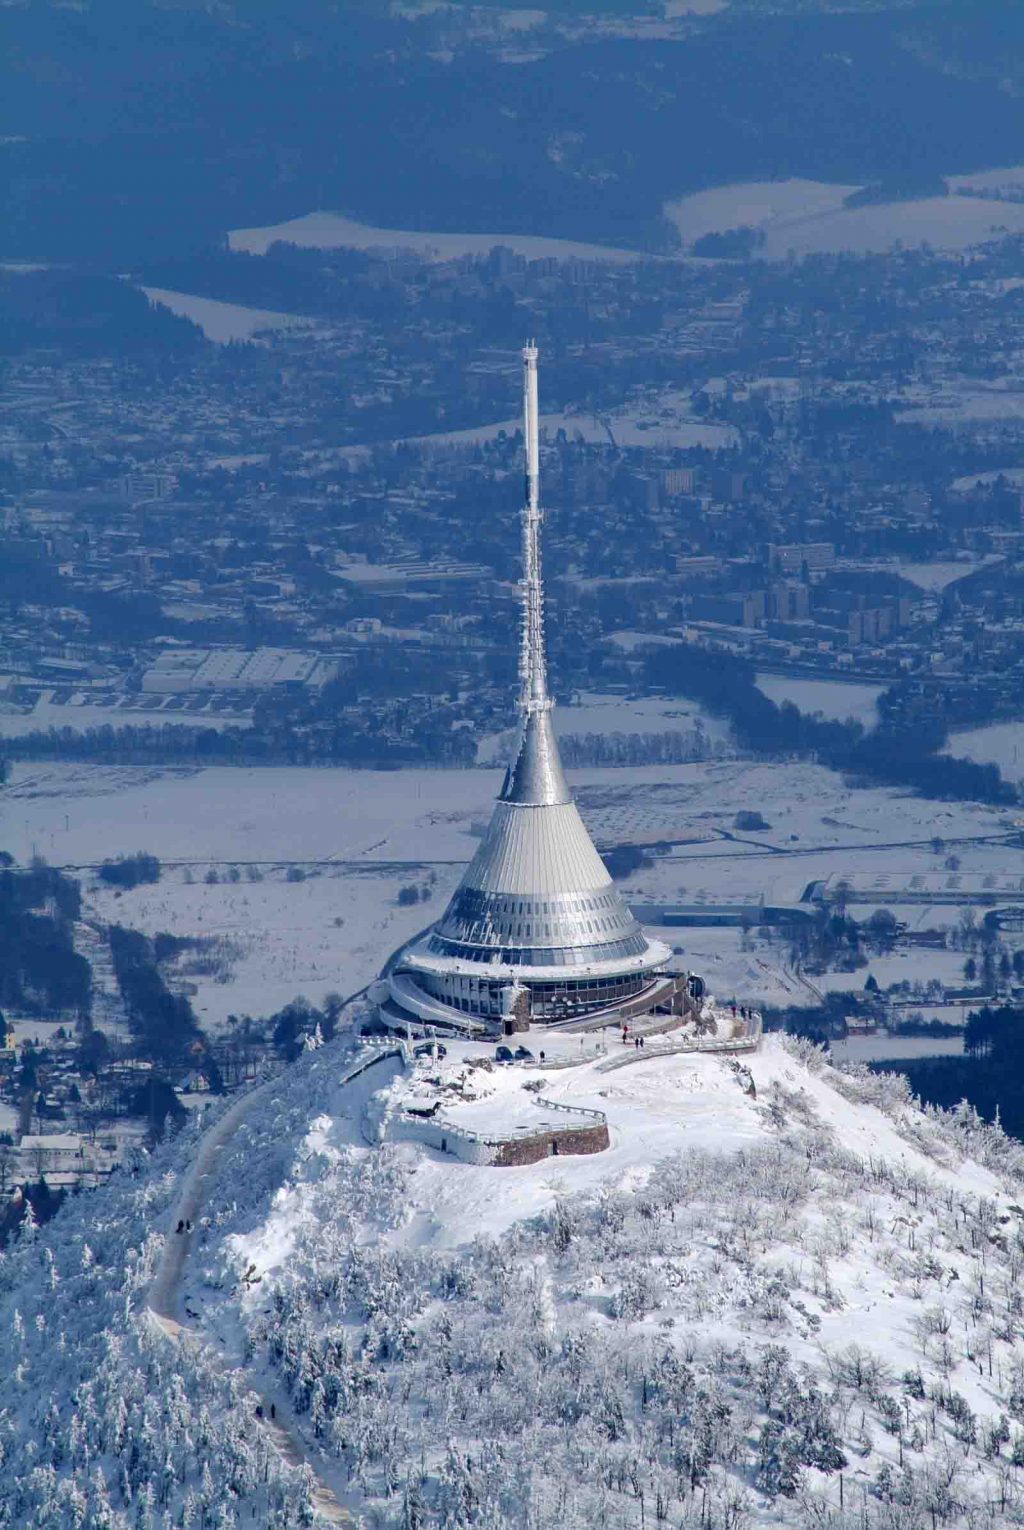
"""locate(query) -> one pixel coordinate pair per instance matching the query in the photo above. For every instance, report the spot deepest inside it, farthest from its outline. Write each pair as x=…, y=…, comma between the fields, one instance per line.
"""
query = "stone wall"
x=503, y=1152
x=567, y=1142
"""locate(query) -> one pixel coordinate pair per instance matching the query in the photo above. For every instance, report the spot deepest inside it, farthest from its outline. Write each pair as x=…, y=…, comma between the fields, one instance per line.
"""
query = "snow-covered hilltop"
x=783, y=1294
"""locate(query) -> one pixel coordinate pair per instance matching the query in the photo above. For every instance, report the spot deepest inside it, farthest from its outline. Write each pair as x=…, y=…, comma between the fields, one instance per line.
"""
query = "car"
x=504, y=1055
x=523, y=1054
x=430, y=1049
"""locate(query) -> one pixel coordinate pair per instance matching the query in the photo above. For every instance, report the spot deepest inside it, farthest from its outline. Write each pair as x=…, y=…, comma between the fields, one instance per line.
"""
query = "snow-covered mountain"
x=782, y=1295
x=104, y=1424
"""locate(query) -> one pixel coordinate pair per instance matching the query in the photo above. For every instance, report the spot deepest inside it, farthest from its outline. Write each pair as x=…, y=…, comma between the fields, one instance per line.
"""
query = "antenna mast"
x=533, y=695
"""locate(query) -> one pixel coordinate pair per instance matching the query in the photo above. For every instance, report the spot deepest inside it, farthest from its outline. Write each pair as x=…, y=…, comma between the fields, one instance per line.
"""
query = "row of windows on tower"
x=573, y=903
x=485, y=929
x=539, y=956
x=547, y=997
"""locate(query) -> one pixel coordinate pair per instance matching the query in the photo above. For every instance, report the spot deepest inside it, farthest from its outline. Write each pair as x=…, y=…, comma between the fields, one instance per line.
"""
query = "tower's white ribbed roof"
x=536, y=850
x=537, y=885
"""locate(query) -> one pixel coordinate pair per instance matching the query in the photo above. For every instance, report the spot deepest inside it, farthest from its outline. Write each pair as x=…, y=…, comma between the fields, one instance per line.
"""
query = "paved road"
x=683, y=850
x=166, y=1306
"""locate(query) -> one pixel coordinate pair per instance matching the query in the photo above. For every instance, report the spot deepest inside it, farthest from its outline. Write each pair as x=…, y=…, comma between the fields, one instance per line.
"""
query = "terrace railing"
x=746, y=1043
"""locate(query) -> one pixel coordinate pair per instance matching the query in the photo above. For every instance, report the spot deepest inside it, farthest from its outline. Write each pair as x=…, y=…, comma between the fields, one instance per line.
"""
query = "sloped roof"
x=537, y=883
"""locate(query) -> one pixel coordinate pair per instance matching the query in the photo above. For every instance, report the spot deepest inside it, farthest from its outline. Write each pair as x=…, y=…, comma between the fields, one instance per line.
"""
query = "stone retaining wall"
x=585, y=1131
x=566, y=1142
x=590, y=1135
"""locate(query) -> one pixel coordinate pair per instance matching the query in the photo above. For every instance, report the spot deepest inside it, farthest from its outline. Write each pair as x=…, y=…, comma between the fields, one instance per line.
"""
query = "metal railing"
x=748, y=1043
x=373, y=1052
x=513, y=1134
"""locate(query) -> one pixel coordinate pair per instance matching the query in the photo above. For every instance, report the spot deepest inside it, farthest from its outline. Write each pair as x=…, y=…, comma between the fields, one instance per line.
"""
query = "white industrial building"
x=235, y=669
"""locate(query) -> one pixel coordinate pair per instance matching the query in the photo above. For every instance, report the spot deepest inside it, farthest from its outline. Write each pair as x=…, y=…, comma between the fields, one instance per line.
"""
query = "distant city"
x=293, y=545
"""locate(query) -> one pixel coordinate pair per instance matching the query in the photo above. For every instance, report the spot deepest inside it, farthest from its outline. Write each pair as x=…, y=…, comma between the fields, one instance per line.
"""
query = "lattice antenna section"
x=533, y=677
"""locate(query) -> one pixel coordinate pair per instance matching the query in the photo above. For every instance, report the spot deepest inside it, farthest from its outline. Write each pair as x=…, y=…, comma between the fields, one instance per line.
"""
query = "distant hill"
x=131, y=127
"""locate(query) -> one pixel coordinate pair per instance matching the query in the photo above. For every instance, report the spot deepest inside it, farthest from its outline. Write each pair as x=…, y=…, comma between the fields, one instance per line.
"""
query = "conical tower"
x=536, y=926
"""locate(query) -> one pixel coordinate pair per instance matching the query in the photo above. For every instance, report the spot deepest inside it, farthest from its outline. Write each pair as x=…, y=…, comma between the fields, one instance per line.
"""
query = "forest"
x=123, y=140
x=105, y=1424
x=990, y=1074
x=164, y=1023
x=86, y=315
x=40, y=970
x=889, y=756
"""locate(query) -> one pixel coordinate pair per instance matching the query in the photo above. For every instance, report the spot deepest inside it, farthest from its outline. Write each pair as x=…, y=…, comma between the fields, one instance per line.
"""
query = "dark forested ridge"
x=86, y=315
x=891, y=755
x=133, y=128
x=40, y=970
x=990, y=1075
x=163, y=1021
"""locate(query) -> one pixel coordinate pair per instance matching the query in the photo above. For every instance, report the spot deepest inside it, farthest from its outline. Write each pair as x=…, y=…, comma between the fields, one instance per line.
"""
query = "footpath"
x=166, y=1309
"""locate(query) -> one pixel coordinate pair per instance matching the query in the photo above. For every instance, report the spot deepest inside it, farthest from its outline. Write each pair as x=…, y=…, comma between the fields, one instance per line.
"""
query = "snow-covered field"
x=598, y=712
x=838, y=699
x=999, y=744
x=944, y=223
x=1009, y=178
x=735, y=970
x=80, y=814
x=965, y=401
x=863, y=1049
x=330, y=231
x=79, y=716
x=659, y=425
x=357, y=837
x=330, y=933
x=803, y=217
x=935, y=577
x=1012, y=475
x=219, y=321
x=898, y=967
x=754, y=204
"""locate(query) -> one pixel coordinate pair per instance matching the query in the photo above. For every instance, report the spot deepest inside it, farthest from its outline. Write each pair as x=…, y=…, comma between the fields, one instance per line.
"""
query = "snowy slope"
x=104, y=1425
x=778, y=1276
x=782, y=1296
